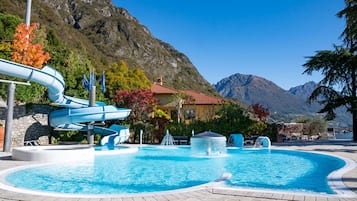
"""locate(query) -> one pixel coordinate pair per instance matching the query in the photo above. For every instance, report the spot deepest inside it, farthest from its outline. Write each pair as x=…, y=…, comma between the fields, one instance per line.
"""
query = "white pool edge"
x=53, y=153
x=63, y=153
x=335, y=178
x=334, y=181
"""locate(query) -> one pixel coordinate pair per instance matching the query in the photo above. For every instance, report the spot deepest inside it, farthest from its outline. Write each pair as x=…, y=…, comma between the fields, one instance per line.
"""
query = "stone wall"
x=30, y=122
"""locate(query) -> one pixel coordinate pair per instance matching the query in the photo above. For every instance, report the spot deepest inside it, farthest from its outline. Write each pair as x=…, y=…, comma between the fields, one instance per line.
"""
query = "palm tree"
x=339, y=67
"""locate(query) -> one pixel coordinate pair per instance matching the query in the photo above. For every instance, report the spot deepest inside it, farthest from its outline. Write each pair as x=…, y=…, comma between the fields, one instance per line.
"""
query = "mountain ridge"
x=304, y=90
x=284, y=105
x=251, y=89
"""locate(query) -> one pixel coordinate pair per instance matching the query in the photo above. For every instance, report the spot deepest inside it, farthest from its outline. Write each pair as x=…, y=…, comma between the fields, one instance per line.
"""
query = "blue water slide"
x=77, y=111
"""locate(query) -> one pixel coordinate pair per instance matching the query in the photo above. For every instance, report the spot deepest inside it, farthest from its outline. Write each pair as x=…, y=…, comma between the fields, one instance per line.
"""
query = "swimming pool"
x=154, y=169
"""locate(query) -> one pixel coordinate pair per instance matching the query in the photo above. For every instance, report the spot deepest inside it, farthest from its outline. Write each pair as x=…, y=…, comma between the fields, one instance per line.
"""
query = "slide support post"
x=90, y=132
x=9, y=117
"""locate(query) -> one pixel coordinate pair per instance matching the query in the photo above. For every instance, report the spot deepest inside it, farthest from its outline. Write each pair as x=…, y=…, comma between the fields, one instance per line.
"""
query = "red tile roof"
x=198, y=97
x=159, y=89
x=203, y=99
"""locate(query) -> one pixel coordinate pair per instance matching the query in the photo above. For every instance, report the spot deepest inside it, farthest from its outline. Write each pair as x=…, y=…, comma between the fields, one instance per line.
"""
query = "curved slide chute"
x=77, y=111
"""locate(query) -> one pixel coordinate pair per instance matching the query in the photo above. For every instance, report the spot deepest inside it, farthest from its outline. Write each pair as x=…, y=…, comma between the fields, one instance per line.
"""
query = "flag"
x=85, y=82
x=102, y=82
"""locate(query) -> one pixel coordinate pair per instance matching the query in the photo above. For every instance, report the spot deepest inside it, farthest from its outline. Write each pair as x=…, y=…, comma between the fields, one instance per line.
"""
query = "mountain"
x=107, y=34
x=283, y=105
x=303, y=91
x=343, y=118
x=252, y=89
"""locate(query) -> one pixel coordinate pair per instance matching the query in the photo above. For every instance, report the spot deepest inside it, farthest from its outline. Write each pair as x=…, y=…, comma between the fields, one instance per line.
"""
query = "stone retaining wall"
x=30, y=122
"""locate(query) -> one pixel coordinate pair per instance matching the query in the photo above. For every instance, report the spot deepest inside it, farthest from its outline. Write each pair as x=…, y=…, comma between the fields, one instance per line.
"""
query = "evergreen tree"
x=339, y=68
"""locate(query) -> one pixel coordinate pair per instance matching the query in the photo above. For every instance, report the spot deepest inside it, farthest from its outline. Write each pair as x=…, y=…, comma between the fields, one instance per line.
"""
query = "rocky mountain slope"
x=107, y=34
x=303, y=91
x=252, y=89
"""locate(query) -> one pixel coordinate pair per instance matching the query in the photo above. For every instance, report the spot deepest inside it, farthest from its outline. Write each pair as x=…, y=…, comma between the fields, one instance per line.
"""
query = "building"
x=186, y=105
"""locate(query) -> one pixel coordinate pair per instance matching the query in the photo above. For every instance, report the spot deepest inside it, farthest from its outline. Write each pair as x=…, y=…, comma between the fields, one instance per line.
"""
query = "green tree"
x=317, y=126
x=349, y=34
x=35, y=93
x=339, y=68
x=312, y=126
x=233, y=119
x=256, y=128
x=77, y=65
x=8, y=24
x=5, y=50
x=72, y=65
x=120, y=77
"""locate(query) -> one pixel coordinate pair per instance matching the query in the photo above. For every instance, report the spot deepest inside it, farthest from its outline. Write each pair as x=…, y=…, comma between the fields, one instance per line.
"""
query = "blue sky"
x=267, y=38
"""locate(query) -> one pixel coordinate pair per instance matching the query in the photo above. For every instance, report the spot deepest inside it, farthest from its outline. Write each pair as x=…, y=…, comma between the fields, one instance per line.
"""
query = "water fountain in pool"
x=168, y=140
x=262, y=142
x=208, y=144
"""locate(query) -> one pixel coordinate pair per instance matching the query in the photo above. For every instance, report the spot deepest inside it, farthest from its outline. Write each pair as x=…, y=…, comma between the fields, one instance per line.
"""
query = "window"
x=190, y=114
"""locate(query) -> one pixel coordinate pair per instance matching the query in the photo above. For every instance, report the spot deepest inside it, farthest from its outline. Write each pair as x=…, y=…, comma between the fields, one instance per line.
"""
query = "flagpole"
x=28, y=13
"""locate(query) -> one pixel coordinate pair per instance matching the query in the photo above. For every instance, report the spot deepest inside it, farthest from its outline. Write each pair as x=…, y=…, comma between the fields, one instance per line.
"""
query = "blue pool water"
x=153, y=169
x=109, y=148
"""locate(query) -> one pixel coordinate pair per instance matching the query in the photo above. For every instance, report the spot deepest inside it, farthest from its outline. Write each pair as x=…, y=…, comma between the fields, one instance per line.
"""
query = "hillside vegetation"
x=81, y=35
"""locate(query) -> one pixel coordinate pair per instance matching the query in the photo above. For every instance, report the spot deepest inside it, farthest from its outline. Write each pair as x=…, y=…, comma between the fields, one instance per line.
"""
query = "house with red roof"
x=186, y=105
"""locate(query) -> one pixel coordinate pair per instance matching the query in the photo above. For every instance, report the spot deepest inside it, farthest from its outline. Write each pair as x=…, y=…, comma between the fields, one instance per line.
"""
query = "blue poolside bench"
x=180, y=140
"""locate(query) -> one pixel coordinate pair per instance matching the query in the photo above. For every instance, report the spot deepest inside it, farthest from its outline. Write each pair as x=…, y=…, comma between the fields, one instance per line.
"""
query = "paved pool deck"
x=212, y=192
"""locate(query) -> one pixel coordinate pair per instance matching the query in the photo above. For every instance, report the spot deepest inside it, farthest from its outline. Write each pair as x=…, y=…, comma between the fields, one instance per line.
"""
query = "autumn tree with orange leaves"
x=26, y=52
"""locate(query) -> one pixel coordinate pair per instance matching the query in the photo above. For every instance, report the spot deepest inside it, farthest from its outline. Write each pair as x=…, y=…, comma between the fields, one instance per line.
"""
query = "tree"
x=339, y=68
x=312, y=126
x=8, y=24
x=12, y=34
x=26, y=52
x=232, y=118
x=141, y=102
x=159, y=121
x=259, y=111
x=256, y=128
x=338, y=87
x=120, y=77
x=349, y=34
x=178, y=99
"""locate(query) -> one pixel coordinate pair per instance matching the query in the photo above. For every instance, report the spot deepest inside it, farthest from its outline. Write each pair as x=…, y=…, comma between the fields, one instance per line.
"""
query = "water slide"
x=77, y=111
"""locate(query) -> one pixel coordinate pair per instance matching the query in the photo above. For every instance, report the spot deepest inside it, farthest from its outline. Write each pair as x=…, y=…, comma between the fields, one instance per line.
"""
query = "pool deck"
x=212, y=192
